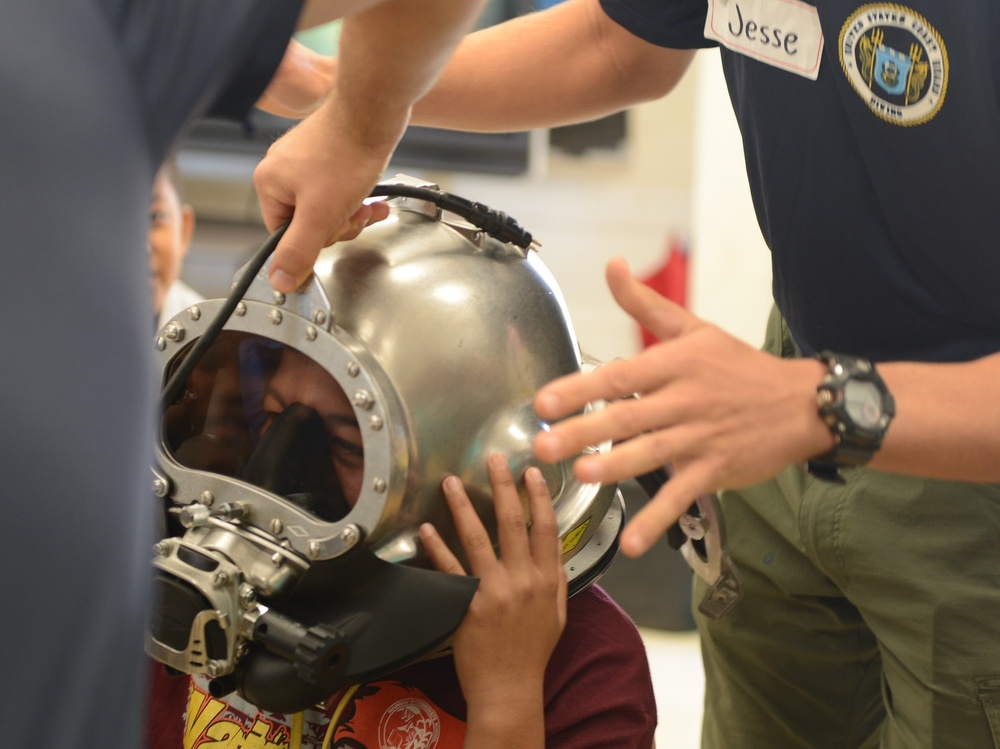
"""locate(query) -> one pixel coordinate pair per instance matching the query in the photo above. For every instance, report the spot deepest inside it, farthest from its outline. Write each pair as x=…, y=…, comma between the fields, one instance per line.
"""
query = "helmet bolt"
x=174, y=332
x=349, y=536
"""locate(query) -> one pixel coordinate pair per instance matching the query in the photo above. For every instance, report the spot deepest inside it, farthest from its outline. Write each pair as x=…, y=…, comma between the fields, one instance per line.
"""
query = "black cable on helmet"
x=495, y=223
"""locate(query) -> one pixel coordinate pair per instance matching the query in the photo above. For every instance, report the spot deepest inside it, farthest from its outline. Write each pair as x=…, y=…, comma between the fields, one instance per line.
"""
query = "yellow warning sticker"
x=573, y=537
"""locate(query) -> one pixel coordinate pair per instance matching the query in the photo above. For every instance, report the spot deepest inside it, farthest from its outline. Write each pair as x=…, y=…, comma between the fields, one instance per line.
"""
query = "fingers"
x=311, y=229
x=307, y=234
x=475, y=540
x=672, y=501
x=617, y=379
x=643, y=373
x=635, y=457
x=441, y=556
x=519, y=549
x=571, y=393
x=649, y=308
x=544, y=538
x=296, y=253
x=546, y=549
x=617, y=421
x=364, y=217
x=512, y=524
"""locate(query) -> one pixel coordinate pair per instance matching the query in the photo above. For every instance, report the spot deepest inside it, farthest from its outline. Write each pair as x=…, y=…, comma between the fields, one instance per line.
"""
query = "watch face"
x=863, y=403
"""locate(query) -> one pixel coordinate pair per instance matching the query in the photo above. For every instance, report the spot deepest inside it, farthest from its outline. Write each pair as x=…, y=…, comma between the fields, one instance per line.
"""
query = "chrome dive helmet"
x=304, y=439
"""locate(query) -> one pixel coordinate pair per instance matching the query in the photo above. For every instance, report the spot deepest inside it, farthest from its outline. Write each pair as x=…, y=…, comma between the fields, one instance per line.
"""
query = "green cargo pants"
x=870, y=617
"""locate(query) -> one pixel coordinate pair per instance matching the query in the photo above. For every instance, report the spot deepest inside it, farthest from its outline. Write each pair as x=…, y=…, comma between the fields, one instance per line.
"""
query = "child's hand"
x=519, y=611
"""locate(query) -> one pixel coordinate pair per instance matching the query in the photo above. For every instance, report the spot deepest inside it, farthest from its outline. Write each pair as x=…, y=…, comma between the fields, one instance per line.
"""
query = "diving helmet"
x=304, y=438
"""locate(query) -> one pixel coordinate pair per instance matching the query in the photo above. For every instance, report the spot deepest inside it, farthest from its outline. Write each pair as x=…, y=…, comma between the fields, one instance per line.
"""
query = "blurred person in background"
x=96, y=95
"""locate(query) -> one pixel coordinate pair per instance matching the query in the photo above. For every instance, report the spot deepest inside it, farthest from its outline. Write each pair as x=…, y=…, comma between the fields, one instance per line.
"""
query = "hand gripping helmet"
x=304, y=438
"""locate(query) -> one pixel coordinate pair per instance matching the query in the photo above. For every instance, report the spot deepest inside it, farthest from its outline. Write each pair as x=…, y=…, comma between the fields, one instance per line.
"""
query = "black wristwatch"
x=857, y=406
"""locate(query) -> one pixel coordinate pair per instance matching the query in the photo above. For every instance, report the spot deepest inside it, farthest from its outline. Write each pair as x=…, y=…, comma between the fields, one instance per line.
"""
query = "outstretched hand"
x=515, y=619
x=721, y=412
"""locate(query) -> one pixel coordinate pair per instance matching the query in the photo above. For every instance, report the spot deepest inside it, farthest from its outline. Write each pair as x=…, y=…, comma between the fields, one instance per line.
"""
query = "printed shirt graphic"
x=381, y=715
x=896, y=61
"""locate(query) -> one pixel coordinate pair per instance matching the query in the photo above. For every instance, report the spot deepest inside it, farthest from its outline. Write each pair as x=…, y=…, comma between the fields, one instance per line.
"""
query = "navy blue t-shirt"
x=878, y=197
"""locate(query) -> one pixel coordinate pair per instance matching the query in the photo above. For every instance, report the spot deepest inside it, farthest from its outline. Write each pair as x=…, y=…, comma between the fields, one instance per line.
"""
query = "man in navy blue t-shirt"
x=860, y=452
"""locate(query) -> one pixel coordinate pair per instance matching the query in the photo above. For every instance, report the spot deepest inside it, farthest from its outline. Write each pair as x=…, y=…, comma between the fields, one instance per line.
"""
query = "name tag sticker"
x=783, y=33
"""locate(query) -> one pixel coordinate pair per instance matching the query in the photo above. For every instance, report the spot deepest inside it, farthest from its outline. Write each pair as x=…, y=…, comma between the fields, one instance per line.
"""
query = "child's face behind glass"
x=299, y=379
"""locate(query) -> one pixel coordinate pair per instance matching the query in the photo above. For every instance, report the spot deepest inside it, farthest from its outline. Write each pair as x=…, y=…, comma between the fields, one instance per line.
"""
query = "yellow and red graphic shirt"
x=380, y=715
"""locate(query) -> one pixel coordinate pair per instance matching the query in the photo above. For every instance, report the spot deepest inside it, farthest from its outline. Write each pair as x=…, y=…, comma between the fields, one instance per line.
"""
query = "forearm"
x=391, y=60
x=947, y=422
x=390, y=55
x=570, y=63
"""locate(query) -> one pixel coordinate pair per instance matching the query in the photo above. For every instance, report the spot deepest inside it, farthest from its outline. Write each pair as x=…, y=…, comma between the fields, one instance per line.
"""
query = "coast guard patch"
x=896, y=61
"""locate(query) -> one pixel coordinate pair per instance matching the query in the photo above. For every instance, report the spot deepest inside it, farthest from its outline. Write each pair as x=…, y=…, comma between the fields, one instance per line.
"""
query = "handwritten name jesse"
x=763, y=34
